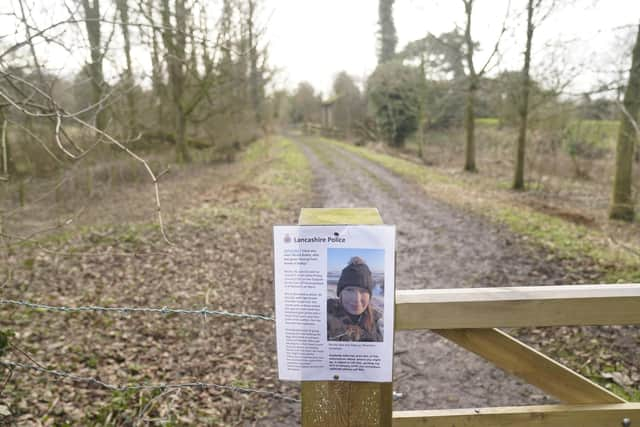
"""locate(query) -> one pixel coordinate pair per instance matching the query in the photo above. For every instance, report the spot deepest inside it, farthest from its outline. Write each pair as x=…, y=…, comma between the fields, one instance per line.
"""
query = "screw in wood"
x=626, y=422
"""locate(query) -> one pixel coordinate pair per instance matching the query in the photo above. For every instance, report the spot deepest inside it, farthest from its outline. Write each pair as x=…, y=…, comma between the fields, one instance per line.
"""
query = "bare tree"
x=472, y=86
x=193, y=77
x=473, y=80
x=533, y=7
x=622, y=202
x=174, y=38
x=92, y=19
x=29, y=91
x=256, y=85
x=158, y=88
x=5, y=150
x=123, y=9
x=523, y=108
x=187, y=77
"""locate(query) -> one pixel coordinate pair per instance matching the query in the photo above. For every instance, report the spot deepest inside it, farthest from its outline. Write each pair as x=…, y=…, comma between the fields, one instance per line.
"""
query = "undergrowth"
x=220, y=259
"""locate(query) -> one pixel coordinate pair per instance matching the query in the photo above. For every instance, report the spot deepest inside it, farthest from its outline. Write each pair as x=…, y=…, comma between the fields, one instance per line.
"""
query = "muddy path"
x=438, y=247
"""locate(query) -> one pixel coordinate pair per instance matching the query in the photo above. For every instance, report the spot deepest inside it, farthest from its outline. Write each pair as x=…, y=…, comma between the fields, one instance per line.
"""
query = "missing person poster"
x=334, y=294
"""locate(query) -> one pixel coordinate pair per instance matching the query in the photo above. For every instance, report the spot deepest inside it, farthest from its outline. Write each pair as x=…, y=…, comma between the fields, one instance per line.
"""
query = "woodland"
x=147, y=147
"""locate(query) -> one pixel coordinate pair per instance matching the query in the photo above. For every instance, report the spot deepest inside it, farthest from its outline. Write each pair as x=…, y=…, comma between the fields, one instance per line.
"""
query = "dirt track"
x=438, y=247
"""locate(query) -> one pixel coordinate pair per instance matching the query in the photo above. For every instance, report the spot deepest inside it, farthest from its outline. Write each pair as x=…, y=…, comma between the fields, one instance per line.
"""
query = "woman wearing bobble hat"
x=351, y=317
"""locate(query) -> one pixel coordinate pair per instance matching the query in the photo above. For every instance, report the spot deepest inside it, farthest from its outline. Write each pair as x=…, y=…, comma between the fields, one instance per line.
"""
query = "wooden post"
x=341, y=403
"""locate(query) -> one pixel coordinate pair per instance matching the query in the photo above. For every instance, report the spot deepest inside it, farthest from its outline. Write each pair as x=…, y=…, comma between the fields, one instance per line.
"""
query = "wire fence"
x=160, y=386
x=13, y=365
x=129, y=310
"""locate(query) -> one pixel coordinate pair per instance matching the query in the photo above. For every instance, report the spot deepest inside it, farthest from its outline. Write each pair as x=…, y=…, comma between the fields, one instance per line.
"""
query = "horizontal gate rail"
x=523, y=416
x=518, y=306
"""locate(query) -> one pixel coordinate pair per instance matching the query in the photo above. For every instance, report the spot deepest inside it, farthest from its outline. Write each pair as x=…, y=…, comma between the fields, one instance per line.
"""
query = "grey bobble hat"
x=356, y=274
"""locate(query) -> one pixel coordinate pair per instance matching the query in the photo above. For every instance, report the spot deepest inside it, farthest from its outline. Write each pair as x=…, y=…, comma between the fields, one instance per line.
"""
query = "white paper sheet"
x=310, y=262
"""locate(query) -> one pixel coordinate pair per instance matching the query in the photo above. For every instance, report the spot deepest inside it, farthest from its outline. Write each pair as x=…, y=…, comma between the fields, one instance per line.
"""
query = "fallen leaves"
x=219, y=261
x=605, y=354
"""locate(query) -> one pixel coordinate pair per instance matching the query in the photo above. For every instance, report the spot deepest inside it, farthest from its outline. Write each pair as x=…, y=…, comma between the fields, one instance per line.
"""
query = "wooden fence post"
x=341, y=403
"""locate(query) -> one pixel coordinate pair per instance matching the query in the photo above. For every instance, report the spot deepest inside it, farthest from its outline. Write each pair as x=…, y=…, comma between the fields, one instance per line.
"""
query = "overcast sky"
x=314, y=39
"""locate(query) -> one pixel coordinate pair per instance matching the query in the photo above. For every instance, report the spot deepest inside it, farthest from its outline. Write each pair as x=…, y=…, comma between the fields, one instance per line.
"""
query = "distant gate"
x=468, y=318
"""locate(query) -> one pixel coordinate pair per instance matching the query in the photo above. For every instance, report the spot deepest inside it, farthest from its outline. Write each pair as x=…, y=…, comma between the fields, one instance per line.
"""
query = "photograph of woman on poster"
x=352, y=314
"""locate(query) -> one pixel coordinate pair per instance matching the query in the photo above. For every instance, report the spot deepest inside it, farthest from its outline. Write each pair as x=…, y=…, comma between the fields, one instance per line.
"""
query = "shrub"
x=394, y=96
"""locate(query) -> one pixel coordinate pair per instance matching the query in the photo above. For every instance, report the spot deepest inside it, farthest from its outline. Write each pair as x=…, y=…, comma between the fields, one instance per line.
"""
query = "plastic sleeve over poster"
x=334, y=296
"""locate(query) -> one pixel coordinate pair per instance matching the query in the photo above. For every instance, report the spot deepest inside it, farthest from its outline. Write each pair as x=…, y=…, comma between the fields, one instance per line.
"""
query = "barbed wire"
x=128, y=310
x=161, y=386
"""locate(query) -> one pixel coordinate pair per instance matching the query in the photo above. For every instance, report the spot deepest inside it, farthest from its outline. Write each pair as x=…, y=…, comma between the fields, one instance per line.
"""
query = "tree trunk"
x=182, y=151
x=123, y=8
x=175, y=43
x=421, y=110
x=92, y=23
x=469, y=129
x=469, y=119
x=387, y=33
x=255, y=77
x=622, y=202
x=157, y=84
x=348, y=133
x=8, y=167
x=518, y=180
x=32, y=48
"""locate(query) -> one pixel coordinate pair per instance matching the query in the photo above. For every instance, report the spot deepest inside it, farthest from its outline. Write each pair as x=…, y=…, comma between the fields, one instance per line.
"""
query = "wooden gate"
x=469, y=317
